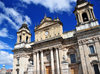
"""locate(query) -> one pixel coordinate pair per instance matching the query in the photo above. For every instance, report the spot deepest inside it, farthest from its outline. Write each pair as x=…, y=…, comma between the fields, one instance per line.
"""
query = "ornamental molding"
x=89, y=40
x=48, y=48
x=26, y=55
x=90, y=33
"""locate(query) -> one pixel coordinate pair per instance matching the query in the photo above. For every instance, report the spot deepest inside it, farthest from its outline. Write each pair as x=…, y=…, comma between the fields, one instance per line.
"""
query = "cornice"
x=76, y=8
x=22, y=49
x=47, y=40
x=91, y=32
x=25, y=31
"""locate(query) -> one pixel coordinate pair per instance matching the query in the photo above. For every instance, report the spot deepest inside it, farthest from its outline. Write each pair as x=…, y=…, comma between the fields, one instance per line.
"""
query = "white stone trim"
x=22, y=45
x=86, y=26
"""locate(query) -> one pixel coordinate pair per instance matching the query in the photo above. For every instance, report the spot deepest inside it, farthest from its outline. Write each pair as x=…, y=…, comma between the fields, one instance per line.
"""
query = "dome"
x=24, y=25
x=80, y=1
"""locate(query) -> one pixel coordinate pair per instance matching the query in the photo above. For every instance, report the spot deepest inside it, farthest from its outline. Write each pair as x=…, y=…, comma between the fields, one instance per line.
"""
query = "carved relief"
x=88, y=41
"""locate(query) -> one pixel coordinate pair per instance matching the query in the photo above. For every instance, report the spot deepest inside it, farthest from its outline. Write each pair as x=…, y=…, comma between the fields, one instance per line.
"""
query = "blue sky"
x=14, y=12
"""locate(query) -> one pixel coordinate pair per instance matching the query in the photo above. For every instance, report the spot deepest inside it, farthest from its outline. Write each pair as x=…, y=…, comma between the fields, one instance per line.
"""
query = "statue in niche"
x=64, y=58
x=48, y=57
x=31, y=61
x=65, y=65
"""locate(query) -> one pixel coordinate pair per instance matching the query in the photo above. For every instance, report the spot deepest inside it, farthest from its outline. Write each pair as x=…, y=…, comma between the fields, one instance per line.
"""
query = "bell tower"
x=85, y=15
x=23, y=34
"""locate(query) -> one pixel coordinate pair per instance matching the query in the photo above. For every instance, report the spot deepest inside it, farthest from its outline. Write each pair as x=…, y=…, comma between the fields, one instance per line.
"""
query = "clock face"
x=46, y=33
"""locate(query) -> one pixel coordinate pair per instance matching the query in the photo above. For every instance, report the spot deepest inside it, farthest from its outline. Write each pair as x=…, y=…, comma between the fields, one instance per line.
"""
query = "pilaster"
x=97, y=45
x=83, y=60
x=87, y=61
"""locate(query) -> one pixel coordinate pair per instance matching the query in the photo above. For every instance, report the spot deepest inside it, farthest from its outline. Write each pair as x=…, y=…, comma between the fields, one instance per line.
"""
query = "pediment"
x=43, y=25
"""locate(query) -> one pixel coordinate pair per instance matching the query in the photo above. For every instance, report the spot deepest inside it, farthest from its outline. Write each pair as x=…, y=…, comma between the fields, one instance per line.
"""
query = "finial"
x=57, y=16
x=35, y=24
x=45, y=15
x=24, y=21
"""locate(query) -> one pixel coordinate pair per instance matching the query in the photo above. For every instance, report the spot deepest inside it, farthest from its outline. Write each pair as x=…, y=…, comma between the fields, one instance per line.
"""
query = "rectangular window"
x=17, y=60
x=92, y=49
x=73, y=58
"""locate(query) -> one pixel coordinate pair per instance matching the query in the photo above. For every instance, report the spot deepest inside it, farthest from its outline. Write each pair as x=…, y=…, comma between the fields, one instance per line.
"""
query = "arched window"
x=96, y=69
x=85, y=17
x=72, y=54
x=20, y=38
x=17, y=70
x=27, y=39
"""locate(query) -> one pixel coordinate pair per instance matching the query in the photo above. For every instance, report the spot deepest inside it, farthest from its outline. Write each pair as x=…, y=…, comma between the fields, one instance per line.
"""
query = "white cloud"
x=6, y=58
x=4, y=33
x=13, y=16
x=53, y=5
x=4, y=46
x=5, y=17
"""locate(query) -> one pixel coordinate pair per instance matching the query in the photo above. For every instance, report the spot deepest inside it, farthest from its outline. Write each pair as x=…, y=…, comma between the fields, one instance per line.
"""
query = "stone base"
x=30, y=70
x=65, y=68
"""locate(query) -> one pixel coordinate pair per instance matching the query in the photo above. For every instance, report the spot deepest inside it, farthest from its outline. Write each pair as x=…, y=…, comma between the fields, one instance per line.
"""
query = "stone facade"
x=55, y=52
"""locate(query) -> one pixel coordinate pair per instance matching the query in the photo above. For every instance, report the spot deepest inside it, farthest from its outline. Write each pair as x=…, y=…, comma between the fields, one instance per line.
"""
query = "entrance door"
x=48, y=70
x=96, y=69
x=74, y=71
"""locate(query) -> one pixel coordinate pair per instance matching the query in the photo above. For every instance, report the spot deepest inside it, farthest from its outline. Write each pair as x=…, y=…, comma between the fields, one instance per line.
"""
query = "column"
x=42, y=63
x=93, y=13
x=80, y=17
x=89, y=18
x=34, y=62
x=38, y=67
x=52, y=62
x=90, y=13
x=57, y=62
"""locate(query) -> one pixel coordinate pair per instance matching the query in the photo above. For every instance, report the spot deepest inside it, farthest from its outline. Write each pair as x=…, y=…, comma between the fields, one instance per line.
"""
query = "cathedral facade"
x=55, y=52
